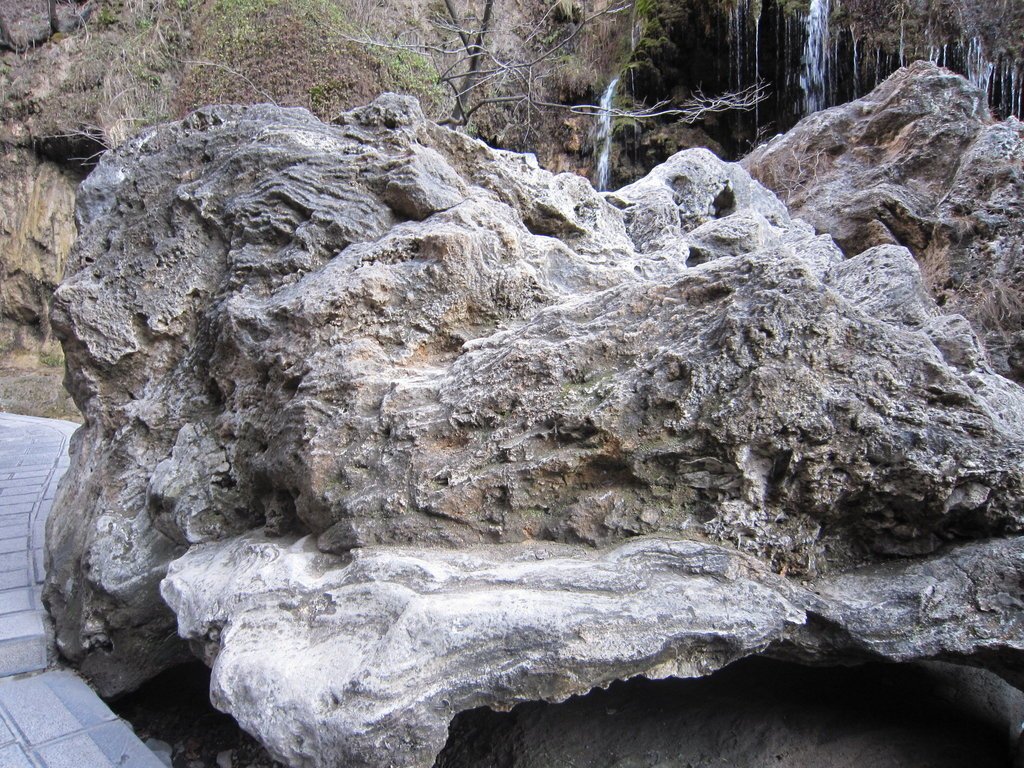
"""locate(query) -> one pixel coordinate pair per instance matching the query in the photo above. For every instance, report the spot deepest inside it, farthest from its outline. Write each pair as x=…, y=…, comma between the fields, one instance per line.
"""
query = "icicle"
x=833, y=70
x=1019, y=90
x=979, y=69
x=1004, y=78
x=787, y=55
x=737, y=28
x=1013, y=88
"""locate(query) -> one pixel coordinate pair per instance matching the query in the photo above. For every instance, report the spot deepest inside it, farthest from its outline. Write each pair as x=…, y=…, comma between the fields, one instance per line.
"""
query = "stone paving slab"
x=51, y=719
x=55, y=720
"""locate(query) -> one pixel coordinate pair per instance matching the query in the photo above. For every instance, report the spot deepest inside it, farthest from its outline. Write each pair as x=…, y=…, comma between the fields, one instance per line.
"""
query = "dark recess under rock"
x=174, y=707
x=755, y=713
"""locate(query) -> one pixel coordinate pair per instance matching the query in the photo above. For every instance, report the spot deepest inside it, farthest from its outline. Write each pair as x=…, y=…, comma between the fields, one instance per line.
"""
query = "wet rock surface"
x=921, y=163
x=406, y=426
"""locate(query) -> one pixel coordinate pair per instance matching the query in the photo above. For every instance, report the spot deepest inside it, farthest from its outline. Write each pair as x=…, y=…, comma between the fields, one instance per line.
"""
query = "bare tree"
x=479, y=71
x=472, y=54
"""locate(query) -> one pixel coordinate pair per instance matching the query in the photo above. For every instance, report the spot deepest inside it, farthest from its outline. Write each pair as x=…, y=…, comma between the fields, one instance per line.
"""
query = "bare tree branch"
x=457, y=24
x=697, y=107
x=475, y=51
x=479, y=73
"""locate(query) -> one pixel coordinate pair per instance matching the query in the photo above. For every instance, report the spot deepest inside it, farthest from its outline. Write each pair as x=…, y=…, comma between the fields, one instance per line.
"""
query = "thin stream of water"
x=603, y=137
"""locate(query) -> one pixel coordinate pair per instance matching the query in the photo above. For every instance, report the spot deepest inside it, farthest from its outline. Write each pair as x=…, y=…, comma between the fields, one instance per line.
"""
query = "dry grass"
x=998, y=305
x=293, y=53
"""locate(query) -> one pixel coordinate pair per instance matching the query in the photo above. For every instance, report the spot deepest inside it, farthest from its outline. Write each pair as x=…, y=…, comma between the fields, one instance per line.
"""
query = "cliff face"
x=36, y=235
x=37, y=201
x=400, y=426
x=809, y=55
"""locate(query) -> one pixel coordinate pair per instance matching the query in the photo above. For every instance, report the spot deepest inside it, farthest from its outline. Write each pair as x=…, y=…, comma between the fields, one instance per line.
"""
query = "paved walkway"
x=48, y=719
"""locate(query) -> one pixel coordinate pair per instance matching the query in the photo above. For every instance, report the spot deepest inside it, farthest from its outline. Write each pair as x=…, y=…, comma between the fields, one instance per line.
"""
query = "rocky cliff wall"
x=37, y=200
x=400, y=426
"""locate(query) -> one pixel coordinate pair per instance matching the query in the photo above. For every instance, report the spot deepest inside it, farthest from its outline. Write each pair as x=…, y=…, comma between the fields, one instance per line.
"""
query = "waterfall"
x=856, y=65
x=757, y=65
x=814, y=79
x=979, y=68
x=603, y=137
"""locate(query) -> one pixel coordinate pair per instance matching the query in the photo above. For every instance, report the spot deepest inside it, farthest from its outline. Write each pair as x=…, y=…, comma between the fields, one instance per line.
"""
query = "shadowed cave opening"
x=174, y=707
x=755, y=713
x=758, y=713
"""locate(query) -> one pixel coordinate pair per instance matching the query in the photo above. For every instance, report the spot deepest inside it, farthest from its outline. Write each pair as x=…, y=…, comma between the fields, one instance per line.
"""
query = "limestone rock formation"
x=919, y=162
x=417, y=426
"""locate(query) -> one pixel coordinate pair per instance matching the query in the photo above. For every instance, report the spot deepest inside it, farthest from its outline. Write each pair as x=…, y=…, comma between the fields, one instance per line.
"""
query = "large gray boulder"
x=919, y=162
x=405, y=425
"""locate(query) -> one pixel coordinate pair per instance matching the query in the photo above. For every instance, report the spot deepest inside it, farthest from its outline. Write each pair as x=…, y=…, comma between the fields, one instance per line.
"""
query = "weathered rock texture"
x=395, y=401
x=920, y=163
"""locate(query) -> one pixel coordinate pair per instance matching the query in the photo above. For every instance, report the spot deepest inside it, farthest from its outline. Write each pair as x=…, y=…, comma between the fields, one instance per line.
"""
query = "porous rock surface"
x=919, y=162
x=418, y=426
